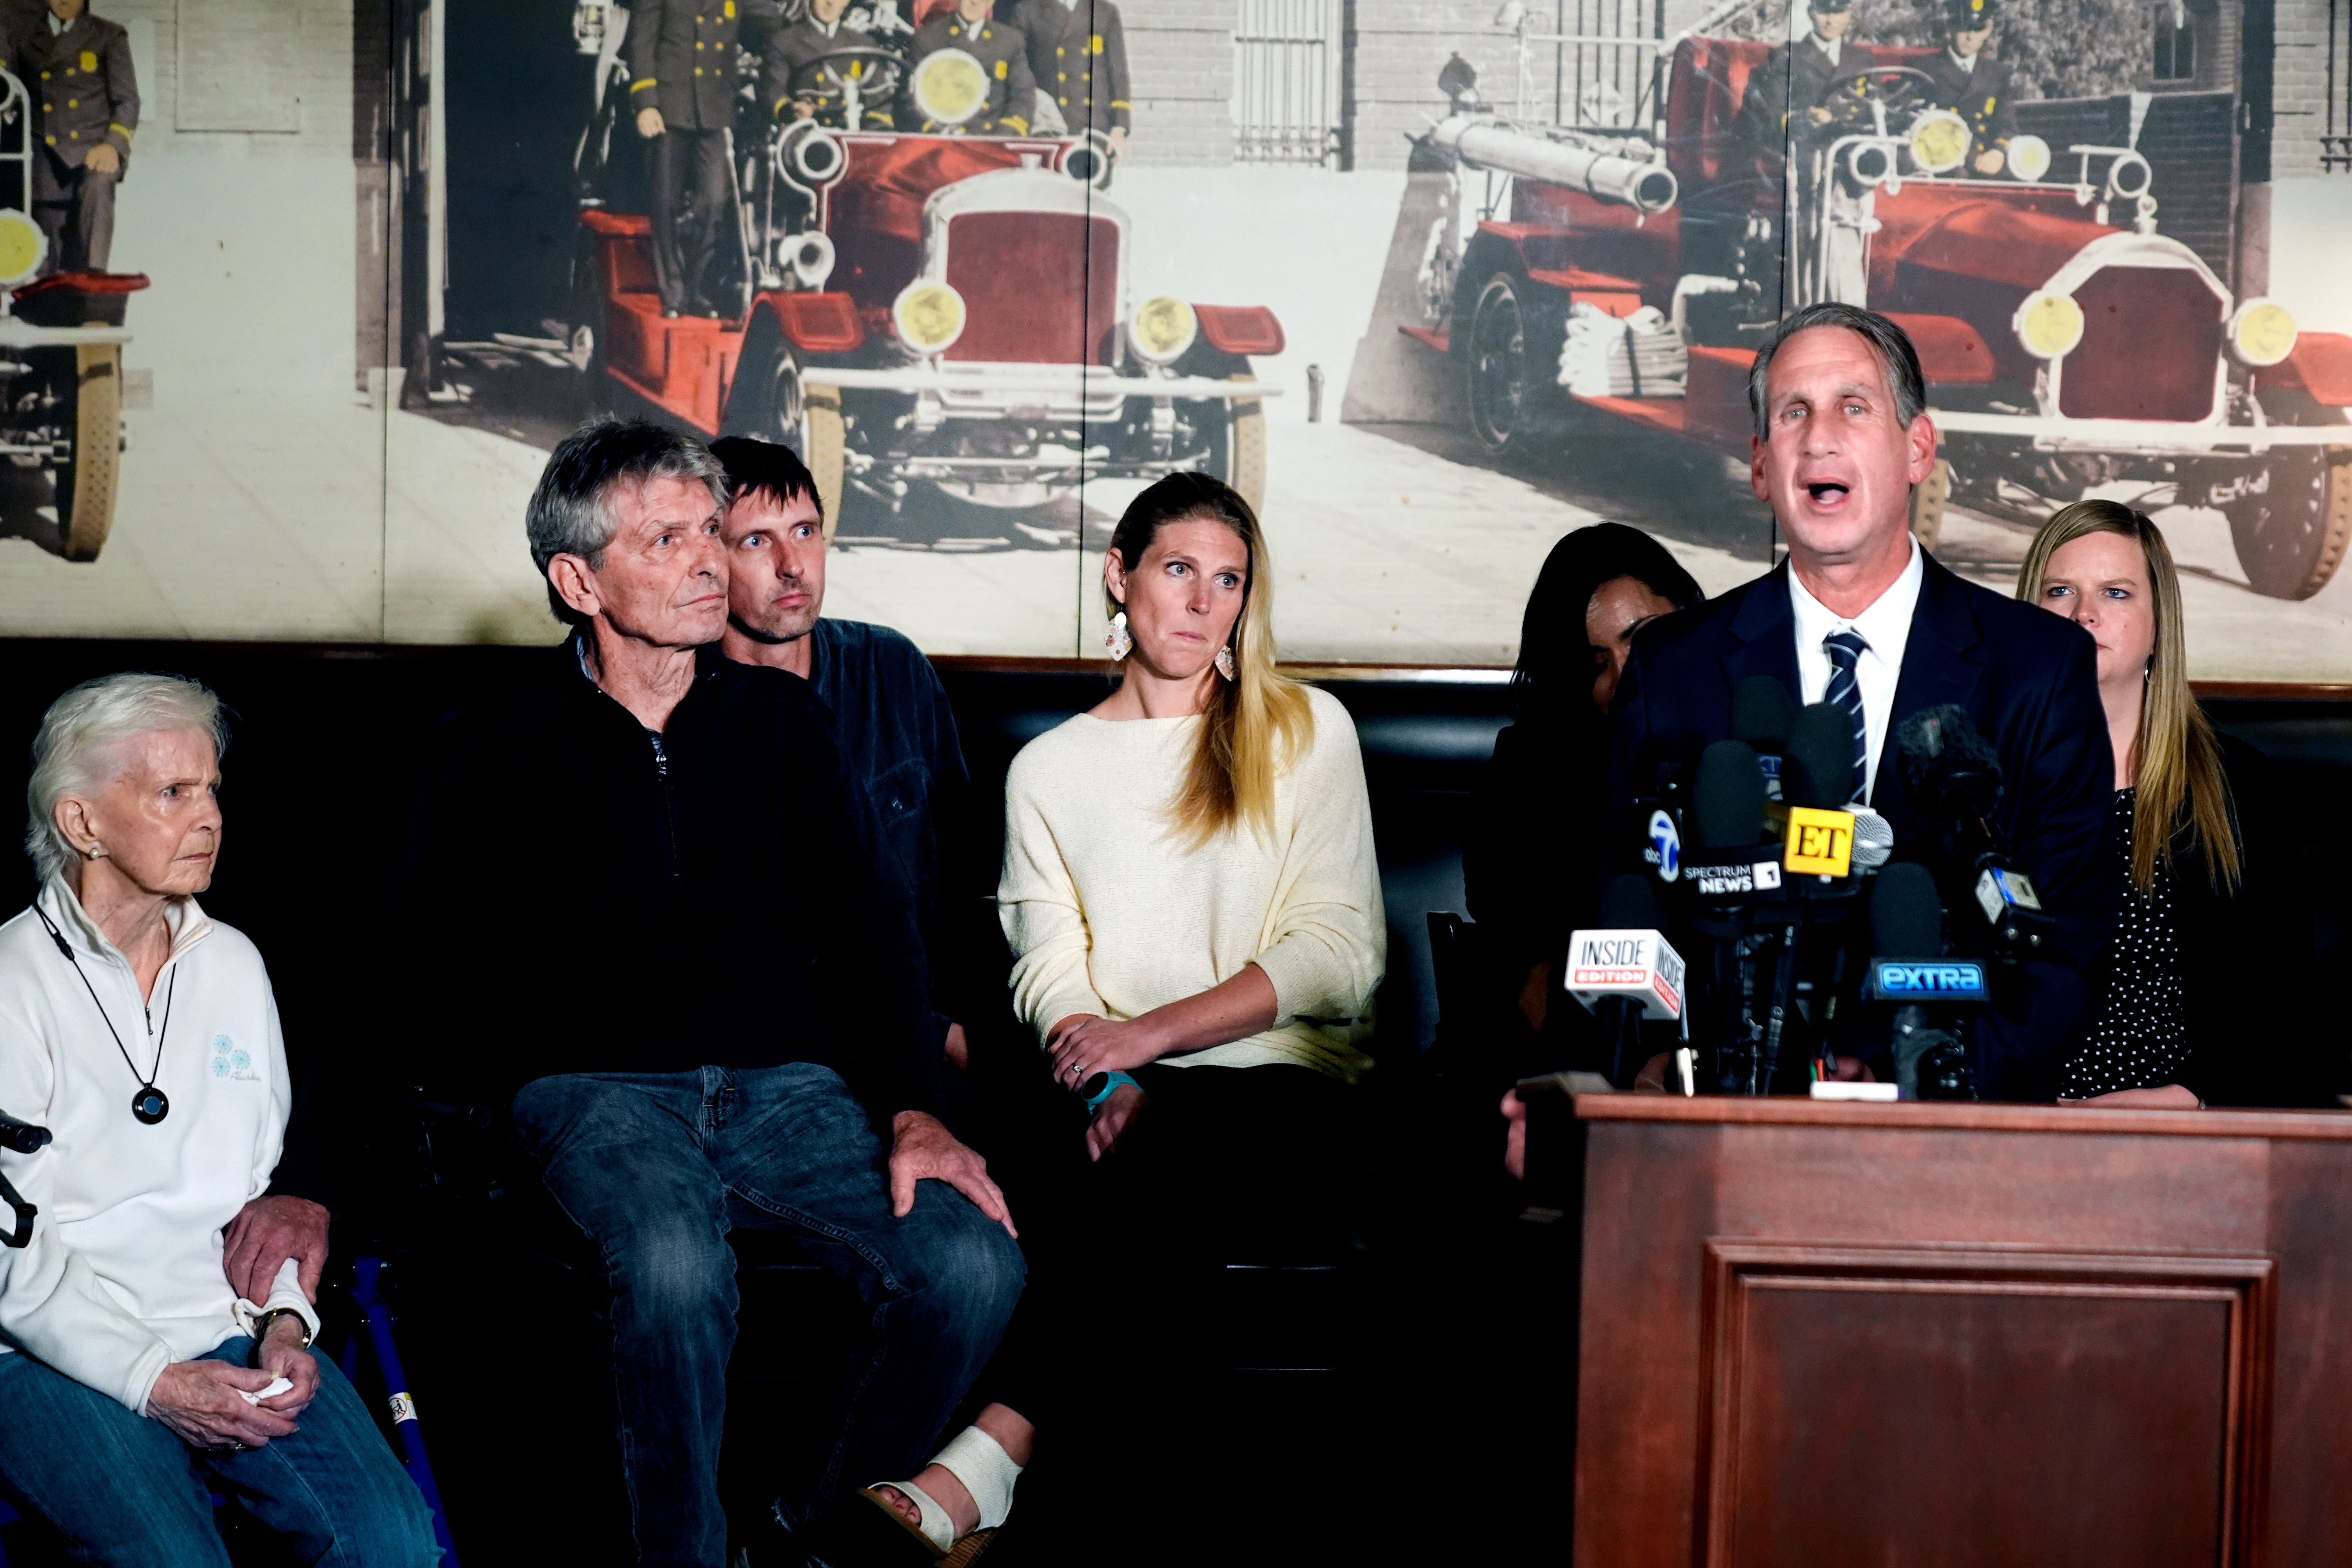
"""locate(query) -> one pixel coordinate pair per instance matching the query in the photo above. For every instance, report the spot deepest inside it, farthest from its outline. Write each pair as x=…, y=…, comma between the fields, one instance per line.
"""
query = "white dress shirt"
x=1833, y=47
x=1886, y=627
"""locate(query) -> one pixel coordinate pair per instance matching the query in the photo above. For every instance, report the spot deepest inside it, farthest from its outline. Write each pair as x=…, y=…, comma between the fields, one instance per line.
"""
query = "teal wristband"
x=1111, y=1082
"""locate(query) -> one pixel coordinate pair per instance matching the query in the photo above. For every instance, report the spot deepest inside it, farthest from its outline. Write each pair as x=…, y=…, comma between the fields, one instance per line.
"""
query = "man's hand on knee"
x=922, y=1149
x=264, y=1235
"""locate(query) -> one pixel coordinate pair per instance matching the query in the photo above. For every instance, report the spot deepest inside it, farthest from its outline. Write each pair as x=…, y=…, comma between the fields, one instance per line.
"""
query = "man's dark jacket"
x=586, y=907
x=682, y=61
x=898, y=736
x=1979, y=95
x=2029, y=682
x=1791, y=80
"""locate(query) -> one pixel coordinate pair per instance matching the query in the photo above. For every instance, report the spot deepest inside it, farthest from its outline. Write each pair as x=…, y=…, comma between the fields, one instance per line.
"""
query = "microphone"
x=1909, y=970
x=1955, y=774
x=1625, y=971
x=1874, y=838
x=1763, y=714
x=23, y=1137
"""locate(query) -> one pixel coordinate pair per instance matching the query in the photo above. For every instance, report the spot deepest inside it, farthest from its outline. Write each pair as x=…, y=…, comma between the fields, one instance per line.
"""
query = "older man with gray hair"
x=692, y=991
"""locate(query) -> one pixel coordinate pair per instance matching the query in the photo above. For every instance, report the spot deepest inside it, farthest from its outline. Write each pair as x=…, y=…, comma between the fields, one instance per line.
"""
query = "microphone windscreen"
x=1728, y=797
x=1817, y=769
x=1933, y=734
x=1762, y=713
x=1907, y=919
x=1629, y=901
x=1873, y=837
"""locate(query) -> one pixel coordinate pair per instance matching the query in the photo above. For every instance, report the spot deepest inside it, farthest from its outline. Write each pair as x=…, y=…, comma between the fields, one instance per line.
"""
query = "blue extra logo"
x=1943, y=980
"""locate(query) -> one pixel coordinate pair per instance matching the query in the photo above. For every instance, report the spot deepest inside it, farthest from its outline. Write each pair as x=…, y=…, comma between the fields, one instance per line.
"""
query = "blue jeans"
x=654, y=1169
x=125, y=1491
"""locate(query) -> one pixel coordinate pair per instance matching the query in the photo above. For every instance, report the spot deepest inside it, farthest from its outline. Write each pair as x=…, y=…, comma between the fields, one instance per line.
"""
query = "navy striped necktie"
x=1844, y=648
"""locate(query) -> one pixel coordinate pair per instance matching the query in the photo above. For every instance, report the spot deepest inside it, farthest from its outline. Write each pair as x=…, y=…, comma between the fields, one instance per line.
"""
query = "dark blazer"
x=682, y=61
x=1078, y=54
x=1002, y=53
x=1793, y=78
x=2273, y=1053
x=83, y=84
x=2029, y=682
x=1980, y=96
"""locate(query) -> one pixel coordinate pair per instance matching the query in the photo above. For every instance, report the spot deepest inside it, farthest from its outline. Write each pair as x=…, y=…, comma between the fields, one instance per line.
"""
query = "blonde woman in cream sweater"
x=1194, y=910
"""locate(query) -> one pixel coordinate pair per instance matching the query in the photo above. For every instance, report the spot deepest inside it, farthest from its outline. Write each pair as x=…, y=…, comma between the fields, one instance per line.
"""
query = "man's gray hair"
x=71, y=752
x=570, y=513
x=1890, y=344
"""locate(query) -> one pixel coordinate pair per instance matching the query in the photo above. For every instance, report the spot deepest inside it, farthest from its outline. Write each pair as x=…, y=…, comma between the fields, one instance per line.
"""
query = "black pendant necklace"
x=150, y=1104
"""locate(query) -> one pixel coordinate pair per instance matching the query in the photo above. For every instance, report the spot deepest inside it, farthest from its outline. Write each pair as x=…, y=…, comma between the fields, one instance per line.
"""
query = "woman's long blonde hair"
x=2176, y=769
x=1254, y=725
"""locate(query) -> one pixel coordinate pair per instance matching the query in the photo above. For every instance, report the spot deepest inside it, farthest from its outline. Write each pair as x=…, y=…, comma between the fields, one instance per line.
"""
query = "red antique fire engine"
x=2067, y=343
x=944, y=311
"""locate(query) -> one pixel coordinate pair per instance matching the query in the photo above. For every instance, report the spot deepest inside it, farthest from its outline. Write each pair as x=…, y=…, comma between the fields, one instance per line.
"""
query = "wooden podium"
x=1816, y=1335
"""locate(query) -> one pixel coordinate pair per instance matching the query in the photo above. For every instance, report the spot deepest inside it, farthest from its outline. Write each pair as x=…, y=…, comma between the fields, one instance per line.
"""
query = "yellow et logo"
x=1819, y=842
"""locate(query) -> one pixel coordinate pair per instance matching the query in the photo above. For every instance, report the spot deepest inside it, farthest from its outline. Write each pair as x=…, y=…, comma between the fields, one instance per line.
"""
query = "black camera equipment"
x=1955, y=775
x=25, y=1139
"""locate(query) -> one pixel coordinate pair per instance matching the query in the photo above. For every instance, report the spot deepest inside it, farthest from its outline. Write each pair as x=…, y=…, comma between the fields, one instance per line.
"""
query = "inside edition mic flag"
x=1625, y=971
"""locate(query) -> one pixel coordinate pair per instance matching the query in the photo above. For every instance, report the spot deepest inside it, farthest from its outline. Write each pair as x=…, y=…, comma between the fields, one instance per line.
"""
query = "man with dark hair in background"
x=1972, y=84
x=897, y=731
x=1860, y=615
x=86, y=100
x=1077, y=52
x=682, y=87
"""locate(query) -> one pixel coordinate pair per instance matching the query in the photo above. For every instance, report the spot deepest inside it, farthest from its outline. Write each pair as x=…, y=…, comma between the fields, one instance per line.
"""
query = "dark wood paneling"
x=1981, y=1408
x=1818, y=1333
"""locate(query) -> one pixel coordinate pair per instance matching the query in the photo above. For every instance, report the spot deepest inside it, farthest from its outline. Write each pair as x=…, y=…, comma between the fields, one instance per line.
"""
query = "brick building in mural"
x=1243, y=80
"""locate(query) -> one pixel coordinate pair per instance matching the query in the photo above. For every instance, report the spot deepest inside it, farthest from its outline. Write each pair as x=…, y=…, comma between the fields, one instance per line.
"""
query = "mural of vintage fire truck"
x=2069, y=343
x=928, y=316
x=62, y=339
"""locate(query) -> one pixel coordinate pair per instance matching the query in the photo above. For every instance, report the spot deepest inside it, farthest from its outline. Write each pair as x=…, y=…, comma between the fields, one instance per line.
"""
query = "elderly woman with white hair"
x=133, y=1380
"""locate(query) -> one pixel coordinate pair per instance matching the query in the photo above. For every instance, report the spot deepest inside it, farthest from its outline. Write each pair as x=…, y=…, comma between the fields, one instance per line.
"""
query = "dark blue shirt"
x=898, y=736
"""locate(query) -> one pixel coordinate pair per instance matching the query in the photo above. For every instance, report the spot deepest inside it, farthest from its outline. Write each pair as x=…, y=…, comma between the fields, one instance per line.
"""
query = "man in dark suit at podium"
x=1860, y=615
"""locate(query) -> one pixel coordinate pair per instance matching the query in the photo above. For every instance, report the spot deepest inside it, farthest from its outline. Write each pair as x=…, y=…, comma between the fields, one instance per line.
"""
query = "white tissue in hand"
x=281, y=1385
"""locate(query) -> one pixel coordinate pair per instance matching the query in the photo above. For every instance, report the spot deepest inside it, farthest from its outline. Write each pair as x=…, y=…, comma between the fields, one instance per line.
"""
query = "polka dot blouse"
x=2141, y=1037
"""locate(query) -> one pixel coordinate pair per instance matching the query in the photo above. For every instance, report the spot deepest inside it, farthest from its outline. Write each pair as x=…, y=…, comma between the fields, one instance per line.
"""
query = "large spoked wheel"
x=85, y=481
x=2291, y=532
x=775, y=402
x=1503, y=365
x=1241, y=452
x=1928, y=497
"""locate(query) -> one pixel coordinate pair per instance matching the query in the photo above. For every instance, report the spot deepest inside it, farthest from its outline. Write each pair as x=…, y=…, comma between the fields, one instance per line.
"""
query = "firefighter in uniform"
x=1785, y=94
x=814, y=36
x=1974, y=85
x=1003, y=54
x=86, y=101
x=682, y=84
x=1077, y=52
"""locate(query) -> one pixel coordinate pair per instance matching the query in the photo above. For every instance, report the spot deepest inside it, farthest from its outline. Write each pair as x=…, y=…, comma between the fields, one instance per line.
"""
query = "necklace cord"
x=147, y=1082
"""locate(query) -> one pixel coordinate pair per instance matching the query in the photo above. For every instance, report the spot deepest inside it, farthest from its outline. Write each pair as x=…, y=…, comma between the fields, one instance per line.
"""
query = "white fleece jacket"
x=1107, y=914
x=123, y=1274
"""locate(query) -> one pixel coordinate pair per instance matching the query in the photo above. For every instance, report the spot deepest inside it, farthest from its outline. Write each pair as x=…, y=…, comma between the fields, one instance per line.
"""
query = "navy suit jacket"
x=2029, y=682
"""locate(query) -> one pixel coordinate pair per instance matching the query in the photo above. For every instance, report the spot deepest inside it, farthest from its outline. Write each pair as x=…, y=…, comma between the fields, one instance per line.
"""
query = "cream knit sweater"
x=1108, y=913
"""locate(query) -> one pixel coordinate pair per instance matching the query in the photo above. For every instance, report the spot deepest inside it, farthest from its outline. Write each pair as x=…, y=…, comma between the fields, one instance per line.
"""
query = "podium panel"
x=1948, y=1336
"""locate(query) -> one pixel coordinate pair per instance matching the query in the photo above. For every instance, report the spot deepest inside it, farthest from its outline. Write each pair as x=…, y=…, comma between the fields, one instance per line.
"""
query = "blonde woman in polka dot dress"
x=2205, y=881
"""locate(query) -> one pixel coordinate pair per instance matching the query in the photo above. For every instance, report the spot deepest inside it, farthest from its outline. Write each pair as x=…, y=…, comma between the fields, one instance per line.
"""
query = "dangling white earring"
x=1116, y=640
x=1225, y=662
